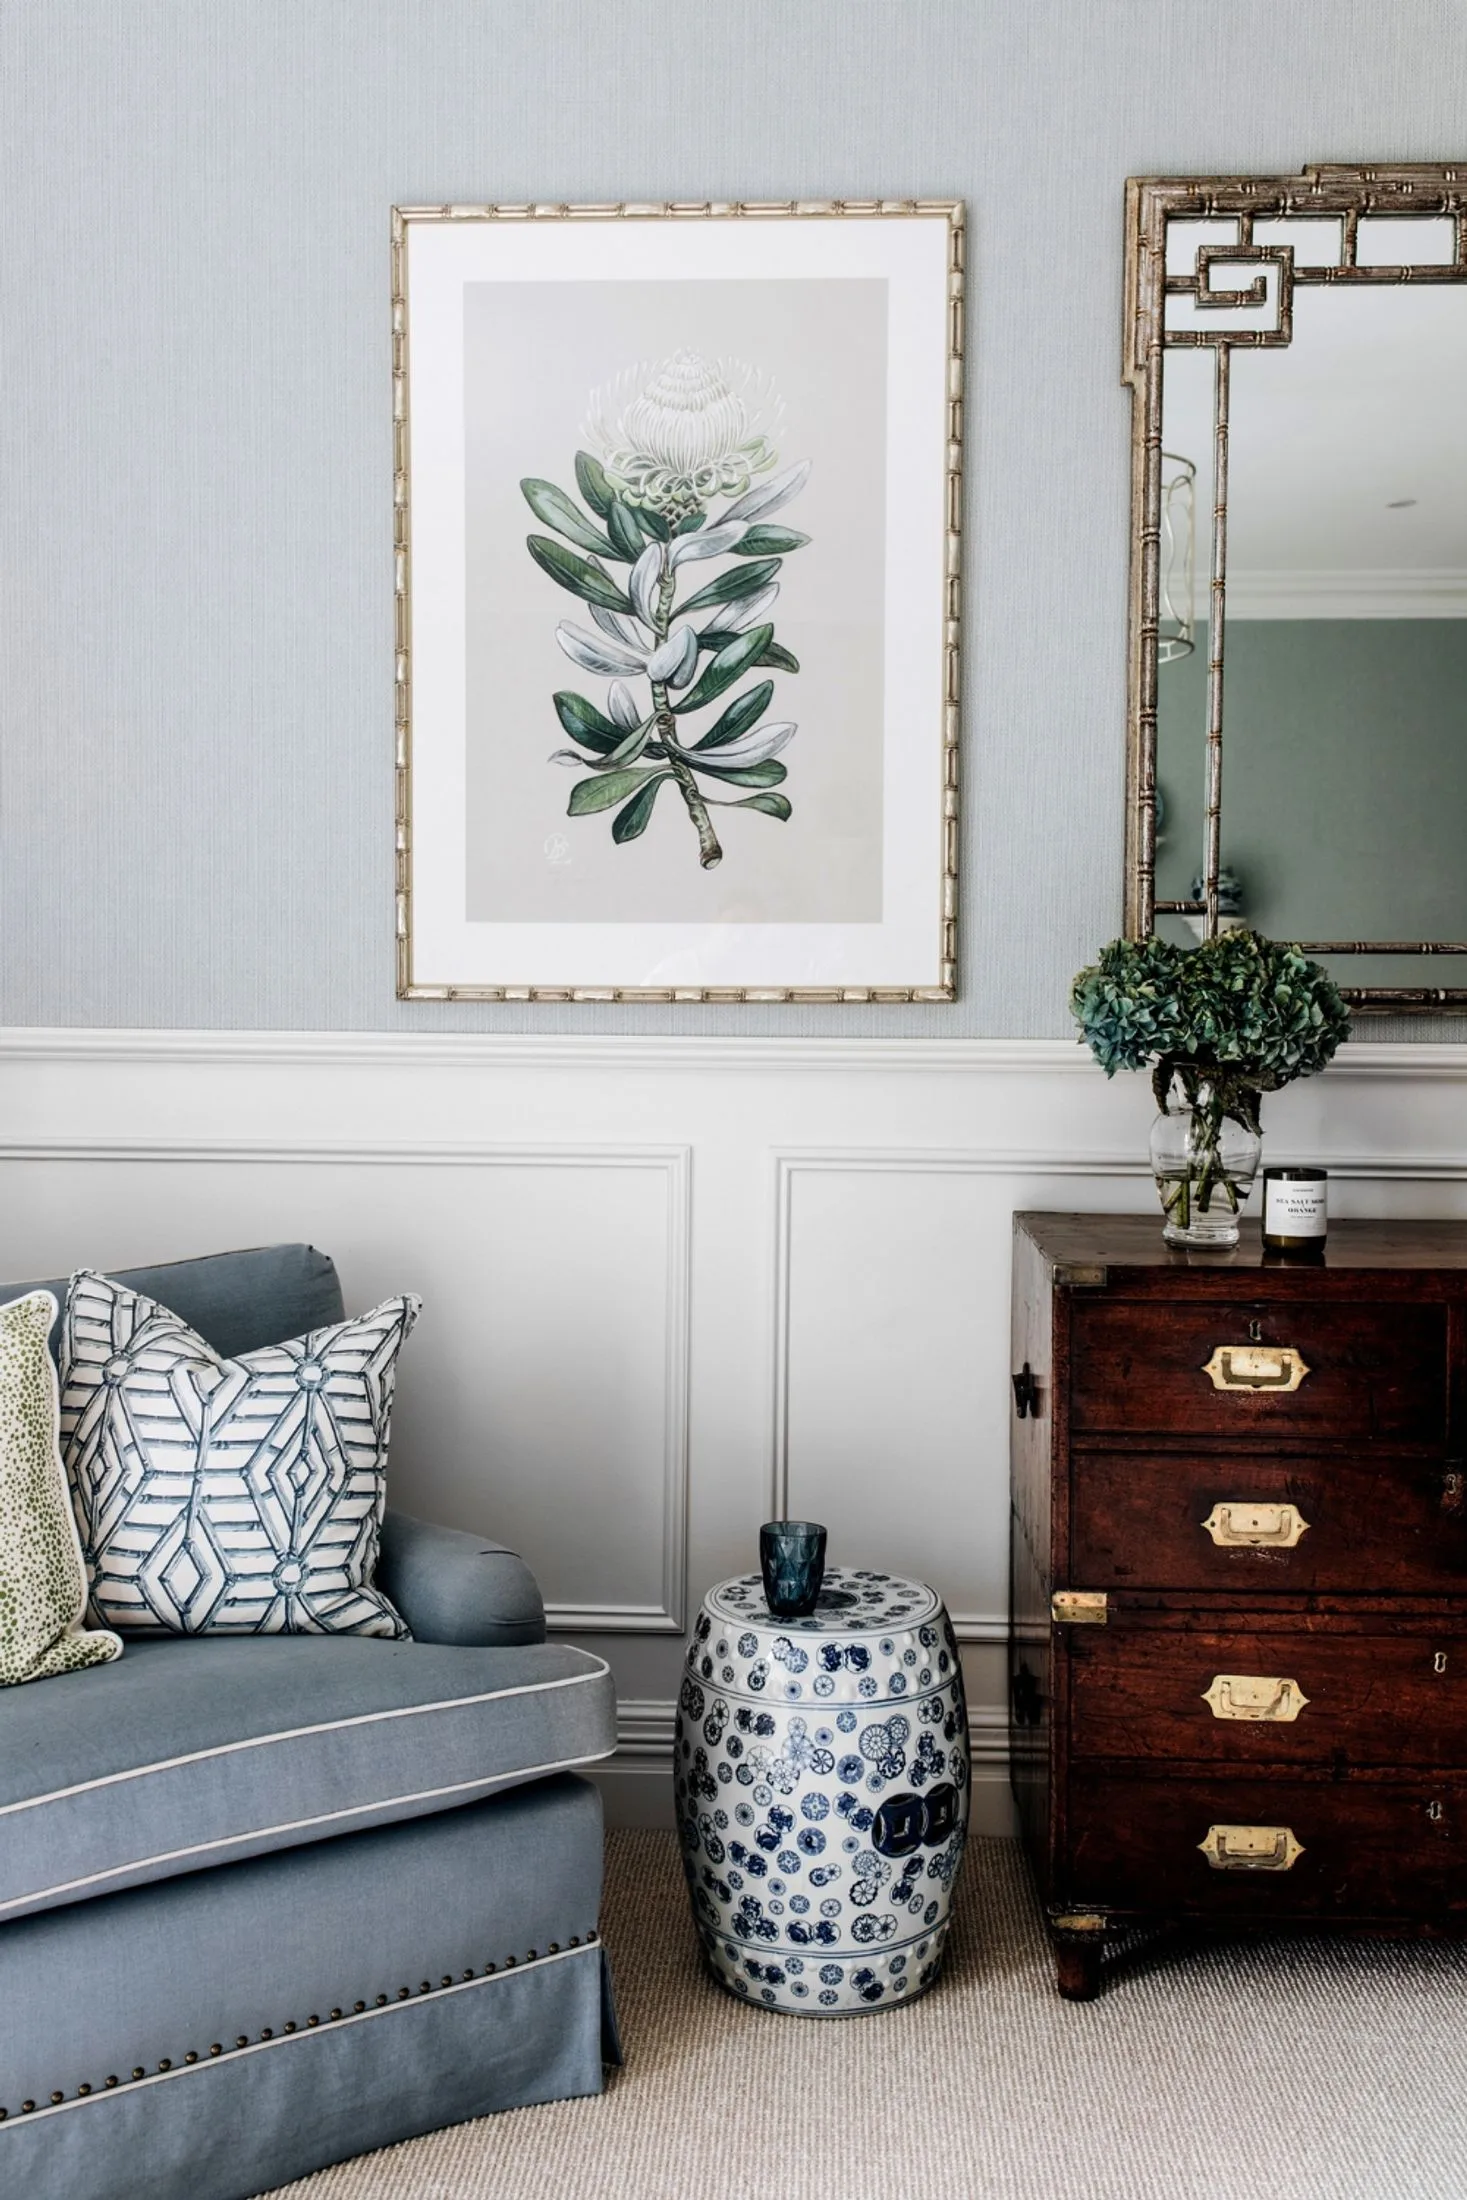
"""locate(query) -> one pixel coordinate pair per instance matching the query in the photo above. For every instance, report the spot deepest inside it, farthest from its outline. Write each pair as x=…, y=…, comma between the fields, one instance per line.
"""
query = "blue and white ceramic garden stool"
x=821, y=1773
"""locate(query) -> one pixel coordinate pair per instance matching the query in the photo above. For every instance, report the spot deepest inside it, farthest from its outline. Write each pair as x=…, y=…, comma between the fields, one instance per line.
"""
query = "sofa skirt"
x=218, y=2034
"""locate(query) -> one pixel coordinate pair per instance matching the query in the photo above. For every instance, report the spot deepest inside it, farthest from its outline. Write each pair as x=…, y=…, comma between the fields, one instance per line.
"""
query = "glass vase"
x=1204, y=1164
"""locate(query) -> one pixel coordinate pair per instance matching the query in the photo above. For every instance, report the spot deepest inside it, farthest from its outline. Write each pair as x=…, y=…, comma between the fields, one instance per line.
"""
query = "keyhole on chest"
x=1255, y=1332
x=1434, y=1813
x=1439, y=1662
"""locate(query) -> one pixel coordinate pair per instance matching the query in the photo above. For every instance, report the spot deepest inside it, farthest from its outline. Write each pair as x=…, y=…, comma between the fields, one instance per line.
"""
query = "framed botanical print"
x=677, y=506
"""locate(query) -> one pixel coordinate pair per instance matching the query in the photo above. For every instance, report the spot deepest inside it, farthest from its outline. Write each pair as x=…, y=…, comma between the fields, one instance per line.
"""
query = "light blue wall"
x=193, y=372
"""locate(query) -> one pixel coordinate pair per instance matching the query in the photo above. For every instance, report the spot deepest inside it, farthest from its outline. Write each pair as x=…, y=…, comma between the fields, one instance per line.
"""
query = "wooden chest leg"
x=1077, y=1965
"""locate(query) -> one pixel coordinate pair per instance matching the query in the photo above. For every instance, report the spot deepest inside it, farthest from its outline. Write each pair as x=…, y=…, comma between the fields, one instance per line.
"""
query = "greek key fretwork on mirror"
x=1296, y=349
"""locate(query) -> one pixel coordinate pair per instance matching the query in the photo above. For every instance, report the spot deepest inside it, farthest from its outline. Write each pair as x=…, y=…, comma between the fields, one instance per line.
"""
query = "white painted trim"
x=1334, y=592
x=916, y=1160
x=36, y=1045
x=967, y=1626
x=675, y=1161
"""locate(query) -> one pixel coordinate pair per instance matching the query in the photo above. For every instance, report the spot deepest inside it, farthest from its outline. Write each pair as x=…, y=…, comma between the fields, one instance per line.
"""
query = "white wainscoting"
x=671, y=1287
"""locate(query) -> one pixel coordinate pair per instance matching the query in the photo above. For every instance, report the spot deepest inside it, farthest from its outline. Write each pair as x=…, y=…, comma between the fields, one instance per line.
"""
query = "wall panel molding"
x=440, y=1049
x=92, y=1122
x=672, y=1162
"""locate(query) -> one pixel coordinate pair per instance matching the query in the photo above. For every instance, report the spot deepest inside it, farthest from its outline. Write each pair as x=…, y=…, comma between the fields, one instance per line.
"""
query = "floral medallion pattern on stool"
x=821, y=1774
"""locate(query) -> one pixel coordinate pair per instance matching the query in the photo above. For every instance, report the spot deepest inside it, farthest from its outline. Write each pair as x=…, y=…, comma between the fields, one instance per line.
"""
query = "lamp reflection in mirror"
x=1176, y=624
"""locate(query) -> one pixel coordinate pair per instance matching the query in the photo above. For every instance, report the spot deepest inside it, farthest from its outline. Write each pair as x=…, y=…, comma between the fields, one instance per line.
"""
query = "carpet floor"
x=1289, y=2069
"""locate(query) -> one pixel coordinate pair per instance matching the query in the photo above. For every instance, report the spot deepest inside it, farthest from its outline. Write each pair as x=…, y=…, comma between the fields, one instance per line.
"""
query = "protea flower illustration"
x=675, y=434
x=675, y=437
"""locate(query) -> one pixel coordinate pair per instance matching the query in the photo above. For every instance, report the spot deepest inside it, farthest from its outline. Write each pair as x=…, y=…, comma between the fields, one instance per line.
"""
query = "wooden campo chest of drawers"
x=1239, y=1581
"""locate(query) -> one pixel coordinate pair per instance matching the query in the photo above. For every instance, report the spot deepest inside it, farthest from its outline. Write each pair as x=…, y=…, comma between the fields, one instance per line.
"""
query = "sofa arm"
x=458, y=1588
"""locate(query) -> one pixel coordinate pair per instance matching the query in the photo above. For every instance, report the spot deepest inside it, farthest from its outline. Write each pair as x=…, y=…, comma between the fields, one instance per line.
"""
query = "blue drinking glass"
x=792, y=1559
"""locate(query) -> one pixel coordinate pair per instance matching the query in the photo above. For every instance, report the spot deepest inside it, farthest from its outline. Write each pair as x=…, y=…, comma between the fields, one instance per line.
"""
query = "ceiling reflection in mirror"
x=1319, y=633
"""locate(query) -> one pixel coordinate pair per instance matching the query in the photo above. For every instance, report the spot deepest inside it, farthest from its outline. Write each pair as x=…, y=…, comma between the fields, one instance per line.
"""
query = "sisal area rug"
x=1280, y=2070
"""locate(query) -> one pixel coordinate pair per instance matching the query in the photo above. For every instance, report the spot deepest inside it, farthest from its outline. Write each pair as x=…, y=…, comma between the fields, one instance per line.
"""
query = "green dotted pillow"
x=43, y=1587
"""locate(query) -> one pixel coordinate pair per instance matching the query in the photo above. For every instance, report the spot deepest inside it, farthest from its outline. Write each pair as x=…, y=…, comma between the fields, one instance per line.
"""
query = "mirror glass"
x=1344, y=758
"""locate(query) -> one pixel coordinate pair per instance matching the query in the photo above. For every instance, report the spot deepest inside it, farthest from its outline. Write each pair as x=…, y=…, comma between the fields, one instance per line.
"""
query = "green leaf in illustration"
x=744, y=712
x=592, y=482
x=579, y=575
x=738, y=581
x=768, y=542
x=725, y=668
x=691, y=522
x=776, y=658
x=773, y=805
x=768, y=774
x=613, y=787
x=555, y=508
x=631, y=821
x=626, y=536
x=652, y=523
x=585, y=723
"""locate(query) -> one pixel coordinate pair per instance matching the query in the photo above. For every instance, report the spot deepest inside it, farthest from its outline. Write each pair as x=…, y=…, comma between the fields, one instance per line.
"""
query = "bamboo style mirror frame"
x=1323, y=476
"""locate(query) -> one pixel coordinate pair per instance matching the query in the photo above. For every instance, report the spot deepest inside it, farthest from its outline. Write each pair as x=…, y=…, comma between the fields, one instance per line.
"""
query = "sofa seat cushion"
x=193, y=1752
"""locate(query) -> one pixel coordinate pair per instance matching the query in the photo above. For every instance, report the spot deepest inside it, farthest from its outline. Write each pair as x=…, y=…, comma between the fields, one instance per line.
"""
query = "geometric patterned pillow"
x=42, y=1586
x=228, y=1496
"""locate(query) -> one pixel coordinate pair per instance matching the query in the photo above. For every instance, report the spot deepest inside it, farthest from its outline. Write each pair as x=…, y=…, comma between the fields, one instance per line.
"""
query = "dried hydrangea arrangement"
x=675, y=438
x=1218, y=1025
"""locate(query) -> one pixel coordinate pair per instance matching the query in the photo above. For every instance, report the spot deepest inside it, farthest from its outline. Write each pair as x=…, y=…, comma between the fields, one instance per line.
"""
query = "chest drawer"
x=1330, y=1694
x=1252, y=1521
x=1376, y=1372
x=1274, y=1850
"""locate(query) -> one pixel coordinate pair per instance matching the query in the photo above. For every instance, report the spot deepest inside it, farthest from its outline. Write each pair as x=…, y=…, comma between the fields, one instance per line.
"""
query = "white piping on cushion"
x=288, y=2039
x=521, y=1773
x=299, y=1733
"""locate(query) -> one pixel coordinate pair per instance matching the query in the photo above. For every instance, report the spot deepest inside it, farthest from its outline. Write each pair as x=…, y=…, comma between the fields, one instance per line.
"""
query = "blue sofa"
x=269, y=1901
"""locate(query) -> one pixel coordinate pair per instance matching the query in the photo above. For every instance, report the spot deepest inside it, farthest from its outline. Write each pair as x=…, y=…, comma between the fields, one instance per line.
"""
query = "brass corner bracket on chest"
x=1078, y=1608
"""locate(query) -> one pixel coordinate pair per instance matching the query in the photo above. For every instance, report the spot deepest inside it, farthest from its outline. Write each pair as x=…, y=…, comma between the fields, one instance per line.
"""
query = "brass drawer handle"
x=1251, y=1848
x=1256, y=1367
x=1254, y=1696
x=1238, y=1527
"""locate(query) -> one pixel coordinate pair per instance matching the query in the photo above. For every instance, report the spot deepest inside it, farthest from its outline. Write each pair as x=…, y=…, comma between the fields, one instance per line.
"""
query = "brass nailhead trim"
x=242, y=2039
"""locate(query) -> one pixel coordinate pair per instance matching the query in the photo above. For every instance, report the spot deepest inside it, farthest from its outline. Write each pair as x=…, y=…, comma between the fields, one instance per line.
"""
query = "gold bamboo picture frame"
x=677, y=498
